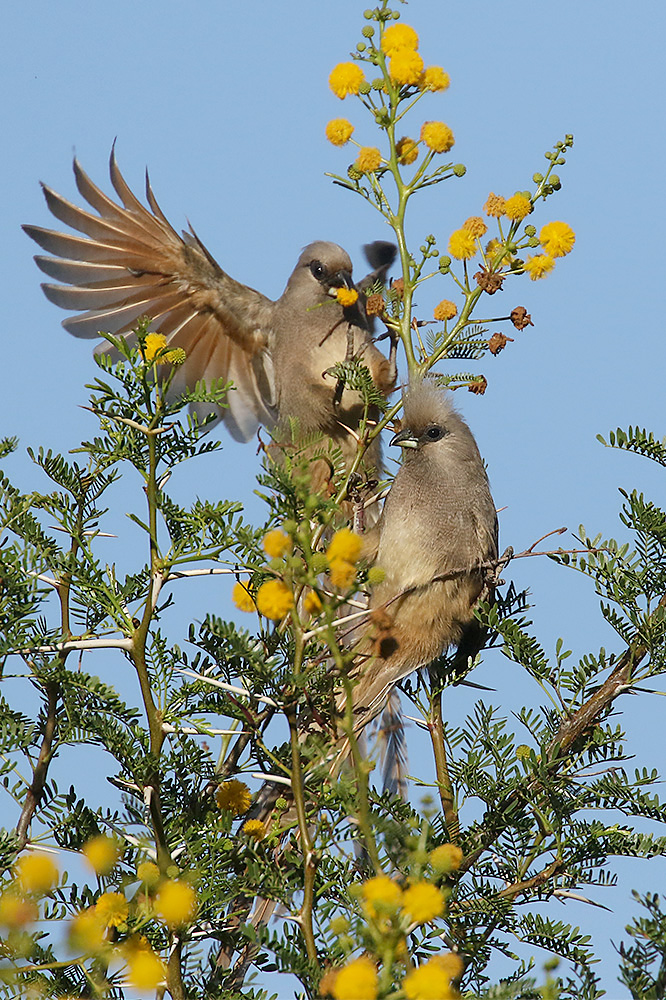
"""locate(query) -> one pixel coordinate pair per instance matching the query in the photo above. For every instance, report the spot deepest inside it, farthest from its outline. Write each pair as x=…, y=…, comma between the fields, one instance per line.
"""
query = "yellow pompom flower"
x=517, y=207
x=36, y=872
x=462, y=244
x=242, y=597
x=446, y=858
x=398, y=37
x=495, y=205
x=406, y=67
x=432, y=980
x=476, y=226
x=112, y=909
x=16, y=911
x=539, y=266
x=149, y=873
x=255, y=828
x=380, y=895
x=145, y=969
x=176, y=903
x=176, y=357
x=345, y=544
x=342, y=573
x=276, y=543
x=86, y=932
x=407, y=150
x=445, y=310
x=101, y=853
x=434, y=78
x=346, y=296
x=356, y=981
x=274, y=600
x=423, y=902
x=339, y=131
x=557, y=239
x=234, y=796
x=312, y=603
x=437, y=136
x=368, y=160
x=154, y=343
x=346, y=78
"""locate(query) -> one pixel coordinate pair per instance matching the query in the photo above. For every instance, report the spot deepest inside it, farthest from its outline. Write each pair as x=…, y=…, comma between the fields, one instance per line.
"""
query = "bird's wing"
x=131, y=263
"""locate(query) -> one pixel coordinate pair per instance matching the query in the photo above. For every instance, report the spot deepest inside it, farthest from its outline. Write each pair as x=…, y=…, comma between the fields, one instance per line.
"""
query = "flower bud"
x=460, y=170
x=530, y=231
x=361, y=46
x=368, y=31
x=537, y=178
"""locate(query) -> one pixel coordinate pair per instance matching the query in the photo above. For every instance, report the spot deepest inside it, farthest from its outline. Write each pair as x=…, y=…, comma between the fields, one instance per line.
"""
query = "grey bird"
x=130, y=263
x=435, y=539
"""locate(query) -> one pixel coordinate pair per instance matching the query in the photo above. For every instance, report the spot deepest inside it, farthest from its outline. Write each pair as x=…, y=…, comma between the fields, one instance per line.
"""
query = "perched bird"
x=131, y=263
x=437, y=530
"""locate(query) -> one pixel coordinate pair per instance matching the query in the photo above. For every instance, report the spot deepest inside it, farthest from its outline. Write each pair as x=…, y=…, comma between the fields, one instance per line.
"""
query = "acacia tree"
x=375, y=895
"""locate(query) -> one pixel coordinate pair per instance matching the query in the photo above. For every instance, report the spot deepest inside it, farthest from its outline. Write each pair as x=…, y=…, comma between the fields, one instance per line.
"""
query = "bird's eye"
x=435, y=433
x=317, y=269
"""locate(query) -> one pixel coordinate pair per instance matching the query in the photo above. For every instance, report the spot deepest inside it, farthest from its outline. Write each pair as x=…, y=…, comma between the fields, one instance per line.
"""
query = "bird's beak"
x=405, y=439
x=342, y=279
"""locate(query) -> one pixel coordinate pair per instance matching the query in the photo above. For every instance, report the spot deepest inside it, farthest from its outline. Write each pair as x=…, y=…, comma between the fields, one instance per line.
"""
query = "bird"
x=436, y=541
x=131, y=263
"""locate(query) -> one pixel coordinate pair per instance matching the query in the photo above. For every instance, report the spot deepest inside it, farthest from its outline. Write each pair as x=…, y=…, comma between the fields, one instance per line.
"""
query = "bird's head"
x=431, y=422
x=321, y=270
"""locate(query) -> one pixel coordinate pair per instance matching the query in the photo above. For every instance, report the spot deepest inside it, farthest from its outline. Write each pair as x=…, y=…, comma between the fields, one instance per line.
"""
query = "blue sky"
x=226, y=104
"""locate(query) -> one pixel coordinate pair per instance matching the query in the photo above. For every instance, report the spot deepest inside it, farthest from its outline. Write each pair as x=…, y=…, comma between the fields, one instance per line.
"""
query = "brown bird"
x=131, y=263
x=437, y=530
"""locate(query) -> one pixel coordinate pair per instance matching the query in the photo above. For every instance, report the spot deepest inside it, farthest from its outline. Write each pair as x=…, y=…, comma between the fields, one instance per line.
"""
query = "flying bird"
x=131, y=263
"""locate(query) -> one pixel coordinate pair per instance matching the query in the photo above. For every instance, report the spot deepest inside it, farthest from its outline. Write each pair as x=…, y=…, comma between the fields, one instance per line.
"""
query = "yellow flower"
x=368, y=160
x=102, y=852
x=346, y=78
x=346, y=296
x=175, y=357
x=476, y=226
x=312, y=603
x=557, y=238
x=242, y=597
x=434, y=78
x=539, y=266
x=445, y=310
x=446, y=858
x=16, y=911
x=517, y=207
x=255, y=828
x=87, y=932
x=494, y=206
x=154, y=343
x=176, y=902
x=145, y=969
x=112, y=909
x=432, y=980
x=345, y=544
x=398, y=37
x=276, y=543
x=406, y=67
x=407, y=150
x=149, y=873
x=234, y=796
x=423, y=902
x=437, y=136
x=356, y=981
x=380, y=895
x=274, y=600
x=339, y=131
x=492, y=247
x=342, y=573
x=36, y=872
x=462, y=244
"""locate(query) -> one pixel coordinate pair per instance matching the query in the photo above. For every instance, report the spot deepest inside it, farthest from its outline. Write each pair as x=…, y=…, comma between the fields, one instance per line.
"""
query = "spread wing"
x=131, y=263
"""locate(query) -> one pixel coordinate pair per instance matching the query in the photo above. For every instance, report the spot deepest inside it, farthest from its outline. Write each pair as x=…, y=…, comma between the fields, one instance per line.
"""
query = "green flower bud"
x=369, y=15
x=549, y=155
x=555, y=181
x=375, y=575
x=530, y=231
x=533, y=242
x=460, y=170
x=560, y=160
x=281, y=803
x=368, y=31
x=444, y=265
x=319, y=562
x=364, y=88
x=353, y=173
x=434, y=252
x=396, y=15
x=537, y=178
x=361, y=46
x=569, y=139
x=378, y=83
